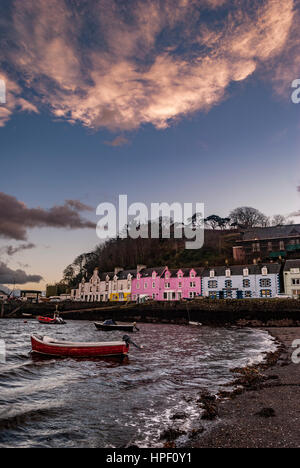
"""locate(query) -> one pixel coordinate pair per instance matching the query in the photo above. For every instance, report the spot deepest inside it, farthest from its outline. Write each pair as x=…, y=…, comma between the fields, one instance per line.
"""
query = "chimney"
x=118, y=269
x=139, y=268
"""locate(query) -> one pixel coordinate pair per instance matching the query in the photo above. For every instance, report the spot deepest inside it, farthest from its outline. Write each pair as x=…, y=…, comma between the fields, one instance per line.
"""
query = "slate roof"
x=273, y=268
x=275, y=232
x=293, y=263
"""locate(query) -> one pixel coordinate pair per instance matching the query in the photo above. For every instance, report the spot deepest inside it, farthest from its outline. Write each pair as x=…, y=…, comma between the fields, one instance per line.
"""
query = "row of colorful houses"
x=164, y=284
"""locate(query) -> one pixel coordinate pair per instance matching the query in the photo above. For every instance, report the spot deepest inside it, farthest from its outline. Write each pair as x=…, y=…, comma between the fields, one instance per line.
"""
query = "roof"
x=147, y=272
x=293, y=263
x=3, y=293
x=275, y=232
x=273, y=268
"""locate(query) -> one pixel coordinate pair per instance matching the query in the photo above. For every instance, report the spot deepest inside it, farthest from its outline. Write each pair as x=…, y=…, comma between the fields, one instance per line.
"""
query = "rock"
x=171, y=434
x=179, y=416
x=196, y=432
x=266, y=413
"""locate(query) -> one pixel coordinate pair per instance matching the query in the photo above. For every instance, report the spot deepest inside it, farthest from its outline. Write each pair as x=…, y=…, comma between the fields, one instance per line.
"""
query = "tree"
x=215, y=221
x=279, y=220
x=248, y=217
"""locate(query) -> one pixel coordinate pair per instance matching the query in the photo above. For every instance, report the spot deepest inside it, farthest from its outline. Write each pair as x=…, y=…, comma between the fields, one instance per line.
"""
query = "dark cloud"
x=9, y=276
x=11, y=250
x=16, y=218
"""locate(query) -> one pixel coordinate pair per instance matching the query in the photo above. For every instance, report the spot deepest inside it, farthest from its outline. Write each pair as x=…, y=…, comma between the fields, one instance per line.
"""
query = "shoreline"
x=264, y=410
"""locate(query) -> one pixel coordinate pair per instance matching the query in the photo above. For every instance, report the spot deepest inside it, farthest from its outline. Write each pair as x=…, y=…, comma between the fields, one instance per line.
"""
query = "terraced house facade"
x=242, y=282
x=164, y=284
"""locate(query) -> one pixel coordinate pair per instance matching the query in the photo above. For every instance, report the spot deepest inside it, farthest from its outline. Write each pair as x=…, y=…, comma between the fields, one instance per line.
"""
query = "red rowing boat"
x=51, y=347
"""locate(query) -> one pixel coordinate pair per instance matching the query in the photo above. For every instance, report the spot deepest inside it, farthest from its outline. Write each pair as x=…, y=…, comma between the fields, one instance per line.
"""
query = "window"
x=192, y=275
x=167, y=285
x=246, y=272
x=295, y=270
x=281, y=245
x=265, y=283
x=270, y=246
x=192, y=285
x=154, y=275
x=145, y=285
x=137, y=285
x=228, y=273
x=213, y=295
x=179, y=296
x=264, y=271
x=248, y=294
x=228, y=294
x=165, y=295
x=213, y=284
x=228, y=284
x=246, y=283
x=256, y=247
x=153, y=296
x=192, y=295
x=266, y=293
x=153, y=285
x=180, y=285
x=212, y=273
x=295, y=281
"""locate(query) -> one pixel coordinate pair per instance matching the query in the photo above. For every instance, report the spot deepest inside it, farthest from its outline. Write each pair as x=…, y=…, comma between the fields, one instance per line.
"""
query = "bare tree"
x=248, y=217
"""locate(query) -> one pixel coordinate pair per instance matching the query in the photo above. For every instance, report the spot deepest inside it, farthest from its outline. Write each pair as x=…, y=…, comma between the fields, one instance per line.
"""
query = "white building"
x=291, y=278
x=242, y=281
x=113, y=286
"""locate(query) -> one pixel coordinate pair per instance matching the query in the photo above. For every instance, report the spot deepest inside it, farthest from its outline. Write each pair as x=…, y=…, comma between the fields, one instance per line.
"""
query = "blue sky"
x=230, y=144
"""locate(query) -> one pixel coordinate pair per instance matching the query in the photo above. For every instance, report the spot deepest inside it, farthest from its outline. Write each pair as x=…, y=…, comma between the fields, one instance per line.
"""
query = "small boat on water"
x=111, y=325
x=195, y=324
x=50, y=347
x=51, y=321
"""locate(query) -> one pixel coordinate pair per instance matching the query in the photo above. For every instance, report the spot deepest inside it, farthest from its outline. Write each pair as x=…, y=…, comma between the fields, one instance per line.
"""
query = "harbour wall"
x=251, y=312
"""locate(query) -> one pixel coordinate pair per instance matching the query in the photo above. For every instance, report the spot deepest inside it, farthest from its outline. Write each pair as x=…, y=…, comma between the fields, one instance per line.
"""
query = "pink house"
x=162, y=284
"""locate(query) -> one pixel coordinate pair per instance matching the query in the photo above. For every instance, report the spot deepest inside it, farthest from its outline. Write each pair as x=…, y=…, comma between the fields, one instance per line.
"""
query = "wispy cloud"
x=144, y=62
x=118, y=141
x=10, y=250
x=17, y=218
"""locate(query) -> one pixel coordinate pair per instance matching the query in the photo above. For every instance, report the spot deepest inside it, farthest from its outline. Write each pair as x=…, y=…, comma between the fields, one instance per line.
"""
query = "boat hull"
x=101, y=326
x=77, y=350
x=50, y=321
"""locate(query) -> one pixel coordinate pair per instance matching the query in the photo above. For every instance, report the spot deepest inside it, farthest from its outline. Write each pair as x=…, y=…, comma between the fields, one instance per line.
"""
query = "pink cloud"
x=128, y=75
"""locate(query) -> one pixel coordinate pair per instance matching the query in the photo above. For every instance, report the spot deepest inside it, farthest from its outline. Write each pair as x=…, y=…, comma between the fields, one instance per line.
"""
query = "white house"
x=242, y=281
x=112, y=286
x=291, y=278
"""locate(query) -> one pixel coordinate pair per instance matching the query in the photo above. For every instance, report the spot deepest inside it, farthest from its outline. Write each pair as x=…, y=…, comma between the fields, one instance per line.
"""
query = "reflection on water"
x=47, y=402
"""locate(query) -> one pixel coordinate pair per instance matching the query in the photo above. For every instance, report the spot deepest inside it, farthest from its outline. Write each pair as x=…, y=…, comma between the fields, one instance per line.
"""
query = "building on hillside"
x=162, y=284
x=291, y=278
x=242, y=281
x=271, y=243
x=3, y=295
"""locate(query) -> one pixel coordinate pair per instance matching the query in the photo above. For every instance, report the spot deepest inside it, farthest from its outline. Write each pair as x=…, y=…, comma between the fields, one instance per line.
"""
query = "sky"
x=162, y=100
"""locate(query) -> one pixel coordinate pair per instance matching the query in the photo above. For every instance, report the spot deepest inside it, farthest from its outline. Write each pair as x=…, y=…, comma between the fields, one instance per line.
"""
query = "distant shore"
x=266, y=413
